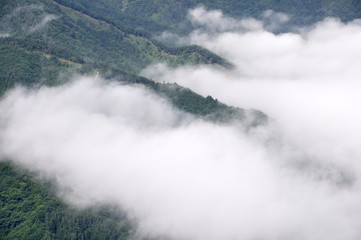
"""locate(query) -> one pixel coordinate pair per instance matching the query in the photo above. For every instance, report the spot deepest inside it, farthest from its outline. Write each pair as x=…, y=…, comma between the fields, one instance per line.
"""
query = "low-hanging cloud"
x=4, y=35
x=307, y=81
x=180, y=177
x=42, y=23
x=25, y=19
x=214, y=22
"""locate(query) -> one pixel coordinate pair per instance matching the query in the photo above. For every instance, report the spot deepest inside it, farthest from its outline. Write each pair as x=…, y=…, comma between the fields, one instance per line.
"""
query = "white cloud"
x=44, y=21
x=25, y=20
x=309, y=83
x=214, y=20
x=273, y=21
x=4, y=35
x=180, y=177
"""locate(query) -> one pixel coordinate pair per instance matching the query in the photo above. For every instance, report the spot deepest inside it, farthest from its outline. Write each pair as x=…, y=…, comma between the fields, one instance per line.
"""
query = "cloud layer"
x=185, y=178
x=307, y=81
x=180, y=177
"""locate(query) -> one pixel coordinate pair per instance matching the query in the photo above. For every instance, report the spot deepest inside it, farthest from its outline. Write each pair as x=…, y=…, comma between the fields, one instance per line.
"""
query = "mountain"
x=51, y=38
x=45, y=42
x=156, y=16
x=30, y=209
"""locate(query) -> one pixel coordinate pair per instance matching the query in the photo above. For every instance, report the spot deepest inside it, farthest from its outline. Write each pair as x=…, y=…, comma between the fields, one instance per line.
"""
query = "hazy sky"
x=295, y=178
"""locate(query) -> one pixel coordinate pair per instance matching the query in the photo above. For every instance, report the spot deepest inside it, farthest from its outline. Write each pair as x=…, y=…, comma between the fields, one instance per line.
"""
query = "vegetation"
x=29, y=209
x=82, y=38
x=155, y=16
x=20, y=66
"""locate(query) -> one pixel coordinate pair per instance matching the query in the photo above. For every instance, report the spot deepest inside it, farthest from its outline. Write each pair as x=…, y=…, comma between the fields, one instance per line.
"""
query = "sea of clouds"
x=185, y=178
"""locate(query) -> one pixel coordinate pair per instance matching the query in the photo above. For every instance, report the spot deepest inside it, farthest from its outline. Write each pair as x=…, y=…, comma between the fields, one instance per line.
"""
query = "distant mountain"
x=50, y=37
x=155, y=16
x=63, y=36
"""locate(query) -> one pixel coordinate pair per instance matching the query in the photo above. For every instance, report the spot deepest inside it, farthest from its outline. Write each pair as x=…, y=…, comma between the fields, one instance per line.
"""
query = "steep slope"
x=29, y=209
x=46, y=26
x=47, y=42
x=157, y=16
x=18, y=65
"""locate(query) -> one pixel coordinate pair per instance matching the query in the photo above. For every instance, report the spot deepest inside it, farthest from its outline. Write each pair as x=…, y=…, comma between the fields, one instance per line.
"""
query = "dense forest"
x=157, y=16
x=30, y=209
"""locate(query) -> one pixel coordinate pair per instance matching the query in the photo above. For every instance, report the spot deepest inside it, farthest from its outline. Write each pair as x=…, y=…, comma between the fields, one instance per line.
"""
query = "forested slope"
x=155, y=16
x=49, y=28
x=29, y=209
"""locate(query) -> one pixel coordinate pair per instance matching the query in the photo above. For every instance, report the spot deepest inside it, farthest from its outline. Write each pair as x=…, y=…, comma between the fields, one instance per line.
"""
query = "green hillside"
x=74, y=42
x=30, y=210
x=155, y=16
x=49, y=28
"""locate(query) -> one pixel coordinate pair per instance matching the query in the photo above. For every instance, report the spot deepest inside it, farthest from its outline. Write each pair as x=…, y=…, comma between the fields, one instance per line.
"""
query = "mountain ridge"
x=117, y=39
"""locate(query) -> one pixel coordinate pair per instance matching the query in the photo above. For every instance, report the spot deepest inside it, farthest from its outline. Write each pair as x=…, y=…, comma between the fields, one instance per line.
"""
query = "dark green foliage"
x=89, y=39
x=30, y=210
x=76, y=42
x=208, y=108
x=20, y=66
x=43, y=47
x=188, y=101
x=154, y=16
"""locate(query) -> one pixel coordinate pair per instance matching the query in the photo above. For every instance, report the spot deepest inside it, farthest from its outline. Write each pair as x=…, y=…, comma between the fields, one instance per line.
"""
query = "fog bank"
x=308, y=80
x=185, y=178
x=178, y=176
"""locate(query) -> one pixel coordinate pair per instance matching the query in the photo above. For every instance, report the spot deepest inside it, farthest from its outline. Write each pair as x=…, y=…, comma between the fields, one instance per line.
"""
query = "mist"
x=43, y=22
x=27, y=19
x=181, y=177
x=307, y=80
x=4, y=35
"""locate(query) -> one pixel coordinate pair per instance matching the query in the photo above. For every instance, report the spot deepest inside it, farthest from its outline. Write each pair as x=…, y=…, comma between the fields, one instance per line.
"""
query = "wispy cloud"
x=215, y=21
x=4, y=35
x=44, y=21
x=26, y=20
